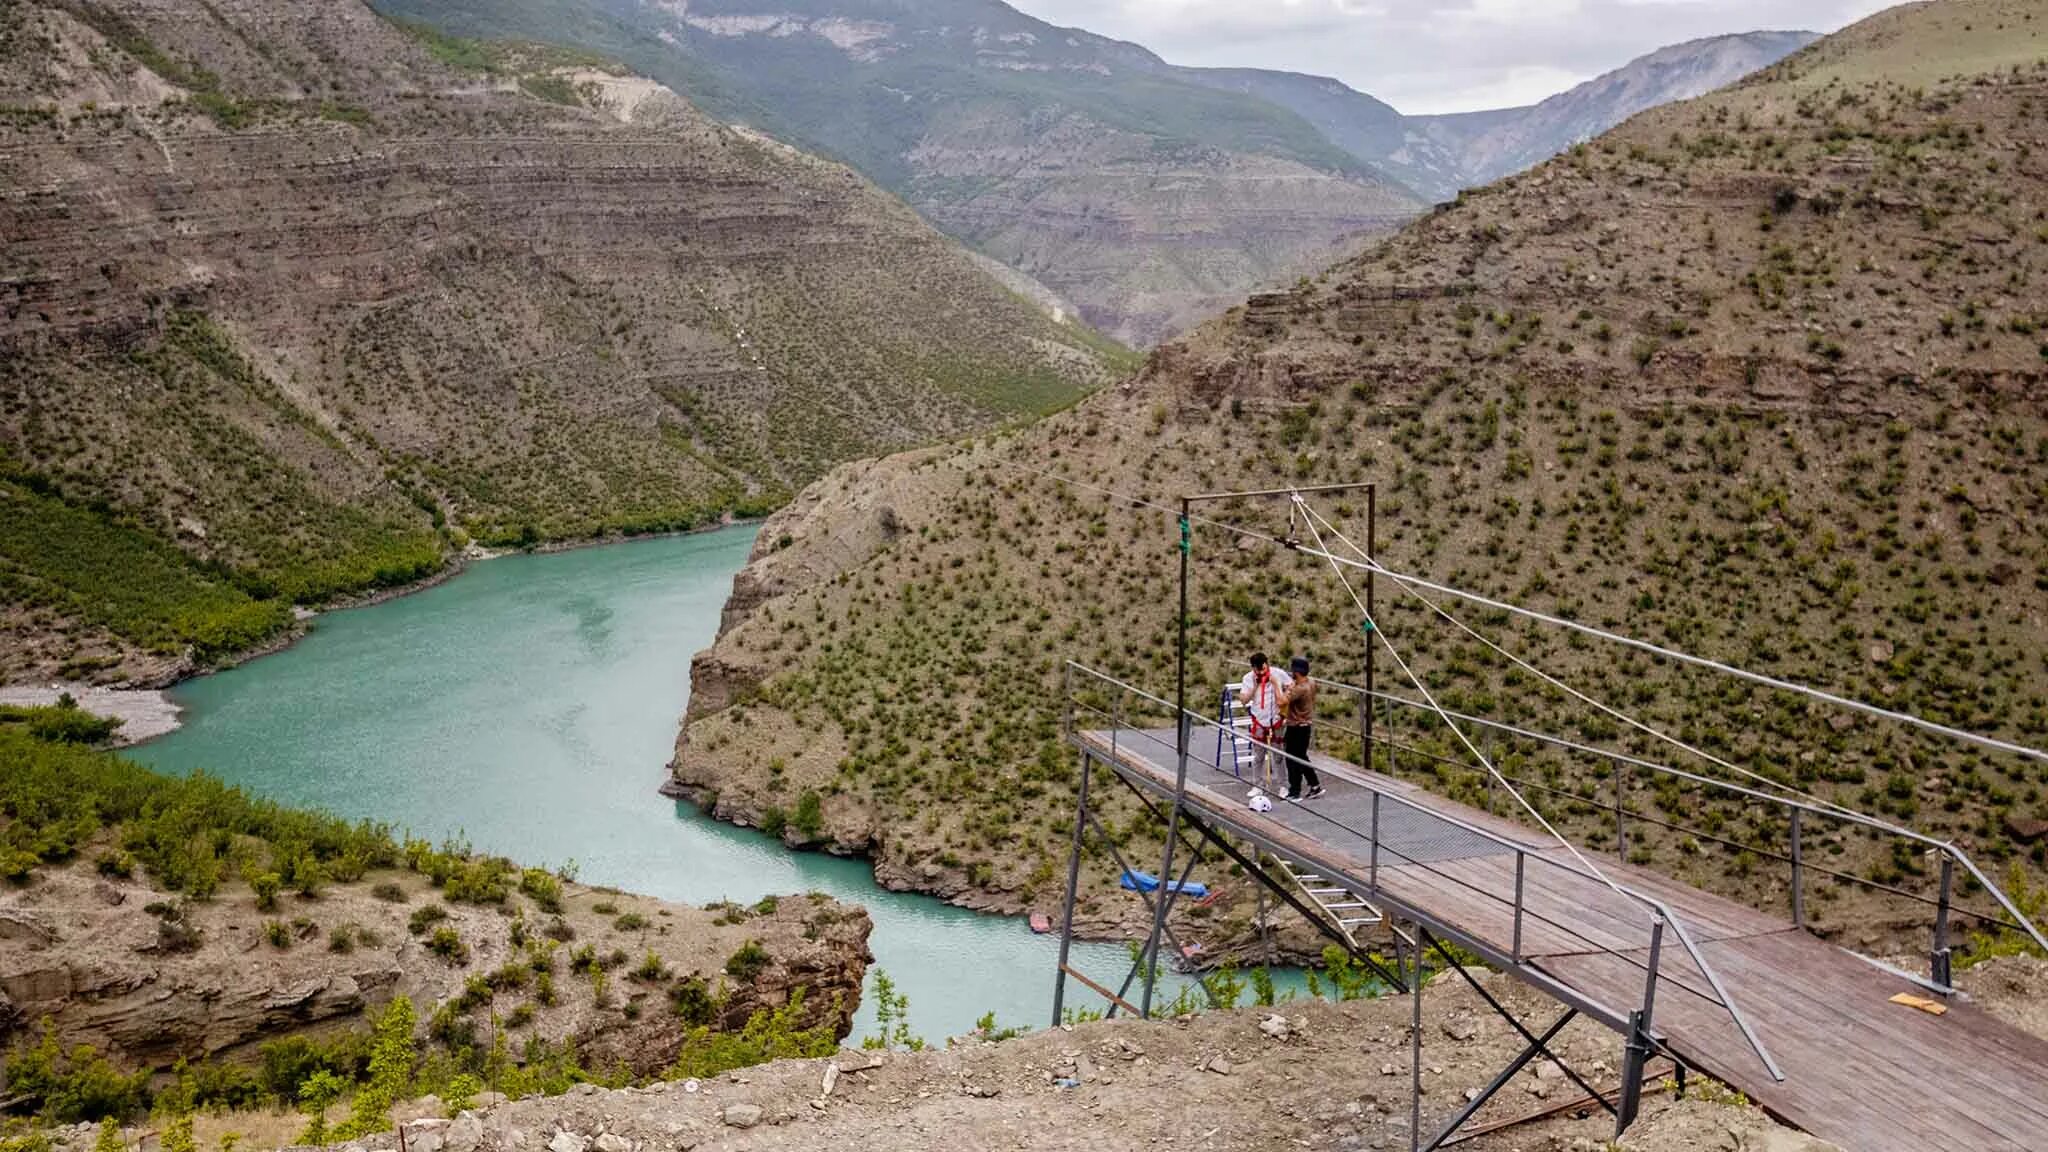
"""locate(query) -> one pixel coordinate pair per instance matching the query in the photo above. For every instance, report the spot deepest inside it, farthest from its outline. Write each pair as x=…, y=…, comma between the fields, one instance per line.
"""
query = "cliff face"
x=314, y=298
x=100, y=960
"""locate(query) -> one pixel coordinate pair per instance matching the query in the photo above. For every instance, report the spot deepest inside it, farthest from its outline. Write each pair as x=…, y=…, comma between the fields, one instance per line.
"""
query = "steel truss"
x=1426, y=933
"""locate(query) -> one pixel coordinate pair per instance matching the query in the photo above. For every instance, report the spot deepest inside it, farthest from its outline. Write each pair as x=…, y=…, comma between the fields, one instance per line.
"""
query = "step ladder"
x=1234, y=745
x=1346, y=909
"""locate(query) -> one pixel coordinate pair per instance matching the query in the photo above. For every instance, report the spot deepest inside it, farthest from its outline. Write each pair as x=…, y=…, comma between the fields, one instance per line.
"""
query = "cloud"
x=1435, y=55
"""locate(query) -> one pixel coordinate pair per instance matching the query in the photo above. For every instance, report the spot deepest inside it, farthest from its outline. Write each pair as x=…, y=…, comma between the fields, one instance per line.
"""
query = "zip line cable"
x=1582, y=697
x=1905, y=718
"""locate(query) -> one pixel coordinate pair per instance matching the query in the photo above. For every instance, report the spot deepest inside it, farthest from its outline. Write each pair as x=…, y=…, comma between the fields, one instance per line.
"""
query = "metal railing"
x=1795, y=811
x=1128, y=706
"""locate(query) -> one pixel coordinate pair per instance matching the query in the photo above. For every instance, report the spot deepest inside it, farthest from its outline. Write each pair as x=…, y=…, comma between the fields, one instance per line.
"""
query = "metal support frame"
x=1636, y=1048
x=1939, y=963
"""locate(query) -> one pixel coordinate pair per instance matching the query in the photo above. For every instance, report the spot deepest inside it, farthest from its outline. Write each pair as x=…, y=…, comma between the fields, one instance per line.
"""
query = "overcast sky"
x=1436, y=55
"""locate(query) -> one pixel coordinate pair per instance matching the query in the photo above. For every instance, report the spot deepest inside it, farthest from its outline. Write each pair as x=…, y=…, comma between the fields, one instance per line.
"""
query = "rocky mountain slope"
x=1149, y=200
x=1761, y=375
x=294, y=302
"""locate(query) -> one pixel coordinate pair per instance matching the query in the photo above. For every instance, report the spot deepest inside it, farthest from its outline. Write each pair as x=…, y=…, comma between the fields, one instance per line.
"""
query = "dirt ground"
x=1325, y=1076
x=1304, y=1075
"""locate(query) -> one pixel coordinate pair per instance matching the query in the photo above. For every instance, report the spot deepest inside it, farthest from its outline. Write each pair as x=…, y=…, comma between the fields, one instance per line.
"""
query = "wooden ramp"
x=1859, y=1071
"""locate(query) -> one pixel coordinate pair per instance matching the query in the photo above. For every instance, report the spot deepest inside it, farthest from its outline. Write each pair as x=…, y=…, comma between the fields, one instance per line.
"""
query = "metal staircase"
x=1346, y=909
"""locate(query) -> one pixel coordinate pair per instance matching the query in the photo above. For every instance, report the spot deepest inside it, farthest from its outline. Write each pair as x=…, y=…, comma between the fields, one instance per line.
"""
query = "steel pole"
x=1372, y=515
x=1415, y=983
x=1180, y=784
x=1059, y=989
x=1940, y=967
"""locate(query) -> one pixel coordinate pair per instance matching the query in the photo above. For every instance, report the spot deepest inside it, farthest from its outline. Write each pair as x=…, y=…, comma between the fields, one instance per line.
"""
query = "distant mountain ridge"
x=1493, y=144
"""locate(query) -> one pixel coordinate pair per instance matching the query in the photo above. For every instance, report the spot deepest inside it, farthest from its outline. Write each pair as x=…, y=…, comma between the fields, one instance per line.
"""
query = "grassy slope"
x=300, y=436
x=1760, y=376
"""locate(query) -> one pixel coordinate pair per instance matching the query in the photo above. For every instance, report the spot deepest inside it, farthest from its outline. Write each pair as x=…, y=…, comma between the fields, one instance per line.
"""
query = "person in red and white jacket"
x=1260, y=693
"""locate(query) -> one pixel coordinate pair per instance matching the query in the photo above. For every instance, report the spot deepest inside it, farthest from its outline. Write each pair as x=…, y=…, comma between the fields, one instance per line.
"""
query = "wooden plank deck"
x=1860, y=1071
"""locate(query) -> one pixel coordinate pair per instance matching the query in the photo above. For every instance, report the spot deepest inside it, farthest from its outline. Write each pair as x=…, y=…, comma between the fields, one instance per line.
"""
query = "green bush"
x=447, y=944
x=748, y=962
x=809, y=820
x=775, y=1034
x=61, y=795
x=393, y=1056
x=67, y=1087
x=62, y=723
x=543, y=887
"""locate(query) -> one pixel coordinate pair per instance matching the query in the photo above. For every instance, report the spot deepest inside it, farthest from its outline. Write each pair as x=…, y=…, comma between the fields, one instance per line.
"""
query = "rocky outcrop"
x=92, y=958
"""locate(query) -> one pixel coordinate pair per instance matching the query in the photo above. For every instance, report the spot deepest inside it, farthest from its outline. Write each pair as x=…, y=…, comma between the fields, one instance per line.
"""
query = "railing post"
x=1798, y=875
x=1067, y=700
x=1373, y=877
x=1636, y=1049
x=1940, y=967
x=1521, y=862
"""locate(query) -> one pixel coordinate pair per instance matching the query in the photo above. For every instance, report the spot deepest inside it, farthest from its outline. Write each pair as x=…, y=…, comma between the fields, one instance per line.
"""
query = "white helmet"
x=1260, y=802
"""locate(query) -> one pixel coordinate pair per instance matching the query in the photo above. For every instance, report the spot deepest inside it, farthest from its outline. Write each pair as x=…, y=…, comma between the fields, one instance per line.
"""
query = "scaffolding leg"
x=1501, y=1011
x=1059, y=988
x=1415, y=1044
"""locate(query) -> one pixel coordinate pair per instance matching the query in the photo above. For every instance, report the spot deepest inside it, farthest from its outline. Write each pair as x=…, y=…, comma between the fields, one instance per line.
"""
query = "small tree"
x=393, y=1053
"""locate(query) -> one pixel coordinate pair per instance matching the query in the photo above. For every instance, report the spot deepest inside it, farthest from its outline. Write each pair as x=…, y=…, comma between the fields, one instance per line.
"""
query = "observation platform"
x=1858, y=1070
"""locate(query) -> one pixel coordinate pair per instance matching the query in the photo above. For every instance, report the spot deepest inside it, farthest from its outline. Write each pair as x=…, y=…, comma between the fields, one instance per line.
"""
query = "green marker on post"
x=1186, y=536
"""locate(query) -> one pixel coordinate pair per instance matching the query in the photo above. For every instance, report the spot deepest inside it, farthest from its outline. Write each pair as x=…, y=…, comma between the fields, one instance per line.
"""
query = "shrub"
x=693, y=1001
x=630, y=922
x=748, y=962
x=67, y=1087
x=810, y=815
x=775, y=1034
x=63, y=723
x=389, y=891
x=447, y=944
x=266, y=888
x=543, y=887
x=425, y=917
x=278, y=933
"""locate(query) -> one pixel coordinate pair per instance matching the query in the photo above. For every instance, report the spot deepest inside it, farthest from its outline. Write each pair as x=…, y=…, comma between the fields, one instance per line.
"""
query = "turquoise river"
x=530, y=705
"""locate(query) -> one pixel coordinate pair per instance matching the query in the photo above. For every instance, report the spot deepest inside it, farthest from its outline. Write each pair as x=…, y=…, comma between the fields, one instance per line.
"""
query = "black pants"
x=1296, y=743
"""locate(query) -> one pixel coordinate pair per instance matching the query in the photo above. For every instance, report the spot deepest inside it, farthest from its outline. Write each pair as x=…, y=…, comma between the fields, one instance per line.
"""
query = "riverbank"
x=148, y=712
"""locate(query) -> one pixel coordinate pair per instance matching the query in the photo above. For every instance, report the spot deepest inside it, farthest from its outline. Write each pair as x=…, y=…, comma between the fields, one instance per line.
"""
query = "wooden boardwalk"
x=1860, y=1071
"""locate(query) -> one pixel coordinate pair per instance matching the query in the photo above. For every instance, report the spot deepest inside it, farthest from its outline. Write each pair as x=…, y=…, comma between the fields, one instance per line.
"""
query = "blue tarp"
x=1147, y=882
